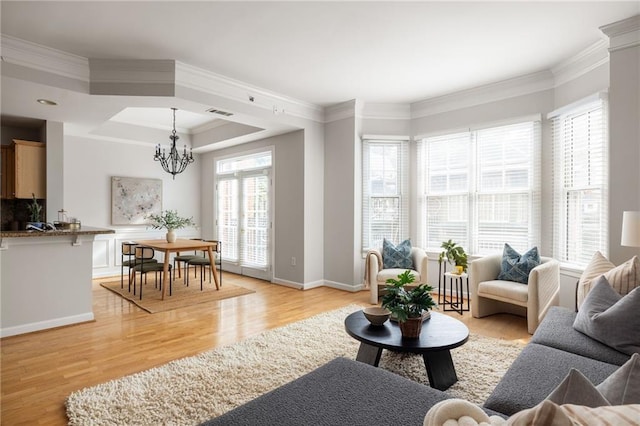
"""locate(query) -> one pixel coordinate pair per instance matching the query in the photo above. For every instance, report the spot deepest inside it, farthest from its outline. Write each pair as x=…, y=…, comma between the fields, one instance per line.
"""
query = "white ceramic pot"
x=171, y=236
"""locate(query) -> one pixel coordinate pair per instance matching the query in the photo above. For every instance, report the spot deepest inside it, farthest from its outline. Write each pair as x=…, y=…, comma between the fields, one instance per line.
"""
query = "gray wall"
x=341, y=205
x=624, y=140
x=288, y=190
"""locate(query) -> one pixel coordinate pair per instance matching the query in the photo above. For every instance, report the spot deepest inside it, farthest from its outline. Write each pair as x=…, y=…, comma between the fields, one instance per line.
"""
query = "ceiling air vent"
x=219, y=112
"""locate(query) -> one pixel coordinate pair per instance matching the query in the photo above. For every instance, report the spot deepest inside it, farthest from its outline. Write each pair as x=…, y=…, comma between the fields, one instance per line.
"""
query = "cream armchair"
x=491, y=296
x=377, y=276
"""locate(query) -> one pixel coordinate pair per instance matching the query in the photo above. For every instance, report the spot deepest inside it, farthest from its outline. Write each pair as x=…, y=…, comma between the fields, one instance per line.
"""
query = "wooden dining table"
x=178, y=246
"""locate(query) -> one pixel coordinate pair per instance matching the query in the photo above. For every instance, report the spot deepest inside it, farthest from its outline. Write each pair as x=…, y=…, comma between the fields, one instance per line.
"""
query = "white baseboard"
x=287, y=283
x=314, y=284
x=345, y=287
x=43, y=325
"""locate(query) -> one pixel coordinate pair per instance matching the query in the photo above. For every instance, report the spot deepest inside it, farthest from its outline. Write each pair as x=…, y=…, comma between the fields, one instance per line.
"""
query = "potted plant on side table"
x=170, y=221
x=455, y=255
x=408, y=306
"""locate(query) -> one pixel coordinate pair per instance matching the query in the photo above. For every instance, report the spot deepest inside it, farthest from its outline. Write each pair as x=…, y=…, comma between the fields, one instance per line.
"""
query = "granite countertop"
x=84, y=230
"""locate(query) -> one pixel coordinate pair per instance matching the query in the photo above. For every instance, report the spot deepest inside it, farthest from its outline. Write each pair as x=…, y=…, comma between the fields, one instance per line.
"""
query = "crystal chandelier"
x=174, y=163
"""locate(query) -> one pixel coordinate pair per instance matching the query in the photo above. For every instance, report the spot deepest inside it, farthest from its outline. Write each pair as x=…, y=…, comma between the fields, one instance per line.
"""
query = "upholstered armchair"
x=377, y=276
x=532, y=300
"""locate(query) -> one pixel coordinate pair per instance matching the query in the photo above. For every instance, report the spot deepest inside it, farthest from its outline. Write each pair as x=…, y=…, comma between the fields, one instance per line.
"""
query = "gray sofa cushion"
x=610, y=318
x=536, y=372
x=557, y=332
x=341, y=392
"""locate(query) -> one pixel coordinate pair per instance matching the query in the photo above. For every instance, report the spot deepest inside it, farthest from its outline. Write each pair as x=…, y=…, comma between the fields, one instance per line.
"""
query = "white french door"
x=244, y=222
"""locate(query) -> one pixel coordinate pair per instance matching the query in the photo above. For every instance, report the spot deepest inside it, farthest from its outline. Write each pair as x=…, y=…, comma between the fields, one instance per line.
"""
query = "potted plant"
x=170, y=221
x=454, y=254
x=407, y=306
x=35, y=211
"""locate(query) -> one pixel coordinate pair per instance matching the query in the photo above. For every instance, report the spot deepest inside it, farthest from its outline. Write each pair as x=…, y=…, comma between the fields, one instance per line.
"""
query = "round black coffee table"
x=439, y=335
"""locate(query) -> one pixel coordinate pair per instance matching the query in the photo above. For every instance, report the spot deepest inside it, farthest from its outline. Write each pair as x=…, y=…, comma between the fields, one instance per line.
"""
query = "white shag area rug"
x=191, y=390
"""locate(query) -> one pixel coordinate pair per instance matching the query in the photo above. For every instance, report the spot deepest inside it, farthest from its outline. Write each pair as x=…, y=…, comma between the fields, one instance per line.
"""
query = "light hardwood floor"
x=39, y=370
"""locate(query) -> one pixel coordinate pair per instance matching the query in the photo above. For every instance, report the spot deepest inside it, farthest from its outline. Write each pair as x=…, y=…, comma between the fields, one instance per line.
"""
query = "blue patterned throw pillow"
x=397, y=256
x=515, y=267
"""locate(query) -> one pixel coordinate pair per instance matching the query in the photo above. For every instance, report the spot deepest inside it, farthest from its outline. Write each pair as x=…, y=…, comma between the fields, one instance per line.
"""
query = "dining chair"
x=184, y=258
x=145, y=263
x=128, y=251
x=204, y=262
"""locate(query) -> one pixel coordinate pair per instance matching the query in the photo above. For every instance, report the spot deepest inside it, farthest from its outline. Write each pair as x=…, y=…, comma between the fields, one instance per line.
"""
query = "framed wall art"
x=133, y=199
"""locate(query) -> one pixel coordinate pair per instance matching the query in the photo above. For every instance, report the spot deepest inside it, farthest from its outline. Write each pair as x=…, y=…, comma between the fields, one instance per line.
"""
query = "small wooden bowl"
x=376, y=315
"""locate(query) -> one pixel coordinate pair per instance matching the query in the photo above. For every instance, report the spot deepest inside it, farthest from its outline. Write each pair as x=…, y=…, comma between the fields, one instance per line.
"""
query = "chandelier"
x=174, y=163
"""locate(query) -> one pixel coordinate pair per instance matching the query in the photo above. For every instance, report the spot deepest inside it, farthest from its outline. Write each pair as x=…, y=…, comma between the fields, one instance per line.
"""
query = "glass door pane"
x=255, y=226
x=228, y=212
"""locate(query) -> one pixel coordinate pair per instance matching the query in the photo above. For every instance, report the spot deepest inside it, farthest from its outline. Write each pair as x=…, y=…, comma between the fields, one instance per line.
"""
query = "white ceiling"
x=162, y=118
x=321, y=53
x=327, y=52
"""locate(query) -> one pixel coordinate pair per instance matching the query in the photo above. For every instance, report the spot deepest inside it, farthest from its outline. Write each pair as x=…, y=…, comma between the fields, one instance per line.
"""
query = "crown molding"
x=31, y=55
x=581, y=63
x=518, y=86
x=208, y=82
x=43, y=58
x=132, y=77
x=352, y=108
x=379, y=111
x=623, y=34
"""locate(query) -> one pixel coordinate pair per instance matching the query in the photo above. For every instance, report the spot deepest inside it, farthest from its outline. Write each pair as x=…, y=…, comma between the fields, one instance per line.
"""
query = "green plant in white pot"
x=170, y=220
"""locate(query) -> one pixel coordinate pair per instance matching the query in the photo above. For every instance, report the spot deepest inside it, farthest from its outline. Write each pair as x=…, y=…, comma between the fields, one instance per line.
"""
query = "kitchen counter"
x=46, y=278
x=85, y=230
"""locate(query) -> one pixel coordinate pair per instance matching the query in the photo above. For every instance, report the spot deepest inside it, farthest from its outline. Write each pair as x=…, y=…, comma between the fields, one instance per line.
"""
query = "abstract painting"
x=133, y=199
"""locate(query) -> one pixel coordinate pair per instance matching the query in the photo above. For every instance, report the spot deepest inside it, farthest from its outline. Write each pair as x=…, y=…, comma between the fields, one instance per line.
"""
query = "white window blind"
x=447, y=183
x=580, y=183
x=508, y=198
x=482, y=188
x=385, y=192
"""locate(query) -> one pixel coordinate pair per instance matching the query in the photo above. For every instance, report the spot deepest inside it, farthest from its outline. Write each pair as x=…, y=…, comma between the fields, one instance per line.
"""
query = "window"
x=481, y=188
x=385, y=198
x=580, y=193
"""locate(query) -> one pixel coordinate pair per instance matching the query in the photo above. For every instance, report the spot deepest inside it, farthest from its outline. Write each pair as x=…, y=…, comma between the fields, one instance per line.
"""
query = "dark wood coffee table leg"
x=369, y=354
x=440, y=369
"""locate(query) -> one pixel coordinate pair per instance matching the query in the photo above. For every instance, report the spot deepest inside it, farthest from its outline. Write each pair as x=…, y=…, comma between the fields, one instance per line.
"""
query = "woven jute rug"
x=191, y=390
x=181, y=295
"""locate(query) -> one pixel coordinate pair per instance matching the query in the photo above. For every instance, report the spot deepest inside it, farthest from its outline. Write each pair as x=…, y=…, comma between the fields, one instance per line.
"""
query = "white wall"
x=314, y=171
x=89, y=165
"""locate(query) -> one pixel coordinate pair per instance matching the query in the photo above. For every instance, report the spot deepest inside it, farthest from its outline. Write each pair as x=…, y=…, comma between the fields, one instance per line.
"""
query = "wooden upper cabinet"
x=8, y=171
x=29, y=170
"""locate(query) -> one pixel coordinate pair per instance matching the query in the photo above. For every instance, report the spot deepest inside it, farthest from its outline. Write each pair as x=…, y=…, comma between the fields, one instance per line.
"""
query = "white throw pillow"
x=622, y=278
x=452, y=412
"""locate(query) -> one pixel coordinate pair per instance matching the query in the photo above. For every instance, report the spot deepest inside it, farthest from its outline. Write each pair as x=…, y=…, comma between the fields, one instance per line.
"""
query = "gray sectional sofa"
x=347, y=392
x=555, y=348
